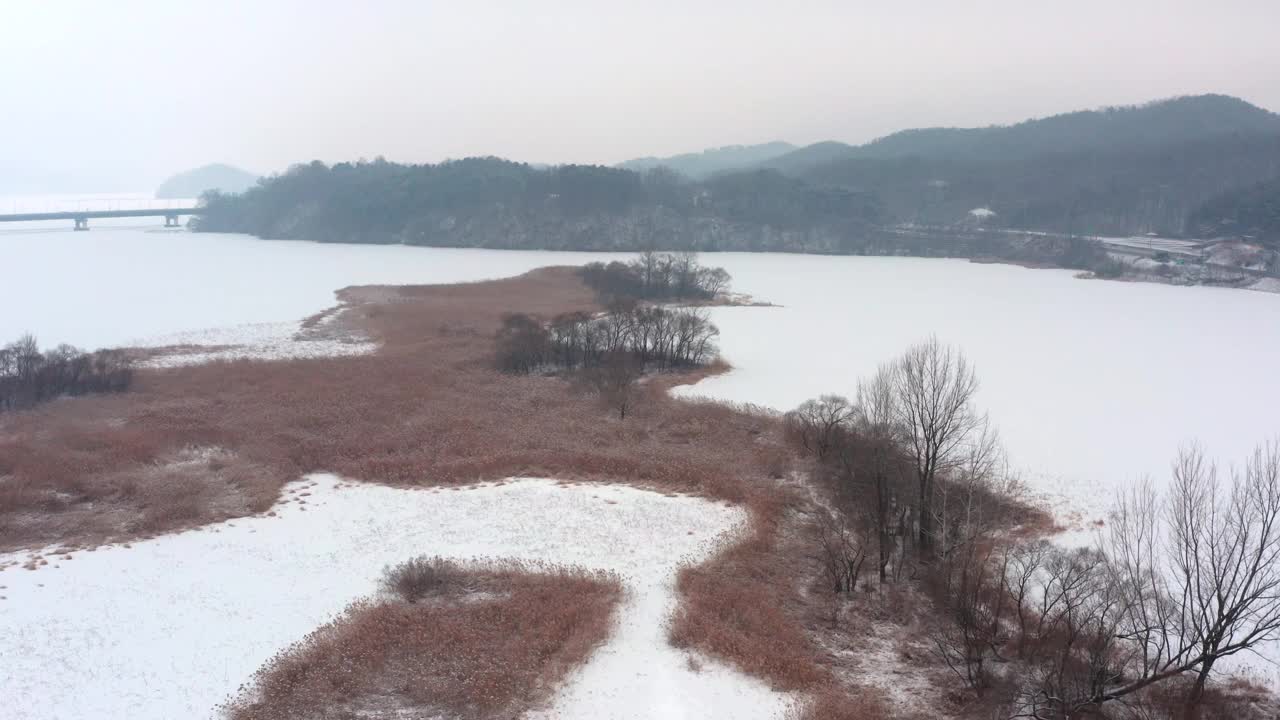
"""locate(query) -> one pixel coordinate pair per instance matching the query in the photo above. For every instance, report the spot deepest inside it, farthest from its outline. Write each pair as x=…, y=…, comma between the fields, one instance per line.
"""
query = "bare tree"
x=841, y=551
x=713, y=281
x=29, y=376
x=814, y=424
x=684, y=274
x=935, y=386
x=1020, y=565
x=972, y=631
x=616, y=381
x=657, y=276
x=968, y=503
x=1187, y=582
x=1222, y=566
x=876, y=420
x=1072, y=647
x=973, y=562
x=523, y=344
x=648, y=264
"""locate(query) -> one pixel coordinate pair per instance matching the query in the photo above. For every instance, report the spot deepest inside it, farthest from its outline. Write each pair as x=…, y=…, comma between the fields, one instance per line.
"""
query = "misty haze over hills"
x=703, y=164
x=1162, y=122
x=1118, y=171
x=194, y=183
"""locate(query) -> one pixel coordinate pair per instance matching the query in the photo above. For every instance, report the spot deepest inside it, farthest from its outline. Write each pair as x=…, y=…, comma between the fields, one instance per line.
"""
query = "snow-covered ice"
x=171, y=627
x=1092, y=383
x=112, y=285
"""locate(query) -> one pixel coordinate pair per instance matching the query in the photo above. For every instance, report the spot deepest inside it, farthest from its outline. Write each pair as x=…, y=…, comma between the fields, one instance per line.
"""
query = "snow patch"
x=171, y=627
x=1271, y=285
x=259, y=341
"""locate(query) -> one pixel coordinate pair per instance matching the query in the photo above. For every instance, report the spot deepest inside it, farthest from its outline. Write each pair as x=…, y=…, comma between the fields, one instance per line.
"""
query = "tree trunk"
x=1191, y=707
x=926, y=518
x=884, y=555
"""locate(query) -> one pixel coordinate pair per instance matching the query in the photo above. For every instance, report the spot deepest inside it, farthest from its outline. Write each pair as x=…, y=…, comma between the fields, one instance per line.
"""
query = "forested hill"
x=489, y=202
x=1251, y=212
x=701, y=165
x=1177, y=120
x=1122, y=170
x=1171, y=168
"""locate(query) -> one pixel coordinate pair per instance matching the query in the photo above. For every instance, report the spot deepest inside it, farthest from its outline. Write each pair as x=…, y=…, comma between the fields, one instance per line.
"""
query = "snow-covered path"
x=171, y=627
x=639, y=675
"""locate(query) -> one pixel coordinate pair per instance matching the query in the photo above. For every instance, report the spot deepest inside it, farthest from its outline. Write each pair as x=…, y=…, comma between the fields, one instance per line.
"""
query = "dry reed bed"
x=427, y=409
x=487, y=641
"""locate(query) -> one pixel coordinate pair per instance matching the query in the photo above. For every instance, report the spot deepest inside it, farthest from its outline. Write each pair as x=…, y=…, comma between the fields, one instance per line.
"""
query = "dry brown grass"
x=833, y=703
x=1232, y=697
x=491, y=642
x=427, y=409
x=738, y=604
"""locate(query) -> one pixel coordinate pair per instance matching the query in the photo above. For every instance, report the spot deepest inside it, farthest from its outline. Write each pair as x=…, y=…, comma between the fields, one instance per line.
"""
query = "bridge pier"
x=171, y=221
x=82, y=223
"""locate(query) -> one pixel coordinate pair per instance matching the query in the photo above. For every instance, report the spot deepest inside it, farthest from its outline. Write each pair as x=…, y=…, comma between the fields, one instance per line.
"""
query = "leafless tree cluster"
x=972, y=633
x=28, y=376
x=1179, y=582
x=657, y=276
x=817, y=424
x=910, y=459
x=1194, y=576
x=843, y=546
x=933, y=387
x=653, y=336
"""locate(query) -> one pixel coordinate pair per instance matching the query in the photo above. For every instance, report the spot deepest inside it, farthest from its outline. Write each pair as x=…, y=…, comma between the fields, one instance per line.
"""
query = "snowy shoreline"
x=255, y=341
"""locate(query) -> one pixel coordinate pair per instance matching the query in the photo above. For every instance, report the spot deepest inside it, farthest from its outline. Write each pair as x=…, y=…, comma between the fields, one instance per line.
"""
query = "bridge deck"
x=87, y=214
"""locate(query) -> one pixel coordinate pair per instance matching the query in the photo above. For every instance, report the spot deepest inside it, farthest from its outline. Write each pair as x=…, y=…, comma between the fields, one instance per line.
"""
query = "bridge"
x=81, y=217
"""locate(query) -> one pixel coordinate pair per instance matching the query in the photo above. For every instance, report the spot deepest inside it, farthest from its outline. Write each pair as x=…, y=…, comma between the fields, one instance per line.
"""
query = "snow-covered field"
x=171, y=627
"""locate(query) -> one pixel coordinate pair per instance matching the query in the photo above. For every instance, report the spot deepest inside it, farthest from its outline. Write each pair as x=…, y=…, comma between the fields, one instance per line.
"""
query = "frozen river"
x=122, y=282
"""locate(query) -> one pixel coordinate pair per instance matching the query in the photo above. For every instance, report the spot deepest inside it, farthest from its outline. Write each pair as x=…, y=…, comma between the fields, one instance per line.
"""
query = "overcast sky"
x=118, y=94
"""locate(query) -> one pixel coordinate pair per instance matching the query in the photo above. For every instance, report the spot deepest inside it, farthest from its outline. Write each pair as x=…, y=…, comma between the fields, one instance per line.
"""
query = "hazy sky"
x=118, y=94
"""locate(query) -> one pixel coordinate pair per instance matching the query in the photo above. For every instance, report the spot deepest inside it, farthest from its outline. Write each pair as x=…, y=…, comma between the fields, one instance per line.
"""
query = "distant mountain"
x=1174, y=120
x=1169, y=167
x=704, y=164
x=193, y=183
x=1117, y=170
x=803, y=159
